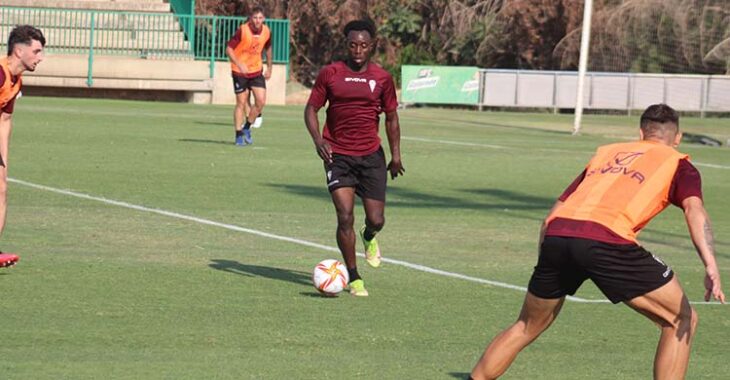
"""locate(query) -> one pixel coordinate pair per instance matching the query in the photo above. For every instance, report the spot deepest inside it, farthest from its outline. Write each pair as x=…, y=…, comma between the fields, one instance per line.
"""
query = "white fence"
x=609, y=91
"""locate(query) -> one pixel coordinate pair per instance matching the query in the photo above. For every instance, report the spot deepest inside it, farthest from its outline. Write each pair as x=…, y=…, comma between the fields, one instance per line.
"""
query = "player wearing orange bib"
x=244, y=51
x=25, y=52
x=591, y=234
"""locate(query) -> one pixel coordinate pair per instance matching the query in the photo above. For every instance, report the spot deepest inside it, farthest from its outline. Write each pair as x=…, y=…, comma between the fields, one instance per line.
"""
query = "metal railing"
x=213, y=32
x=141, y=35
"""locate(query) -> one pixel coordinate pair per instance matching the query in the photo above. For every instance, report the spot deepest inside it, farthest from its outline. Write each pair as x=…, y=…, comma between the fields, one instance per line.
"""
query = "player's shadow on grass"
x=204, y=141
x=490, y=124
x=248, y=270
x=513, y=199
x=460, y=375
x=217, y=123
x=487, y=199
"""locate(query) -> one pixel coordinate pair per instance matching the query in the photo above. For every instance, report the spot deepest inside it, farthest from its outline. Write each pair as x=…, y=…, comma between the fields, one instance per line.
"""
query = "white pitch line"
x=232, y=227
x=711, y=165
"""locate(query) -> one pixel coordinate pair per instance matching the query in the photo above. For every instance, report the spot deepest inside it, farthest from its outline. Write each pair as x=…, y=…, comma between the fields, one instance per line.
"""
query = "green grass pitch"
x=105, y=291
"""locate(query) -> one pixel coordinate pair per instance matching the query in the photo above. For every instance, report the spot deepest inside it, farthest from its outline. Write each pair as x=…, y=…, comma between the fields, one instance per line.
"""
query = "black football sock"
x=239, y=133
x=353, y=274
x=369, y=234
x=247, y=125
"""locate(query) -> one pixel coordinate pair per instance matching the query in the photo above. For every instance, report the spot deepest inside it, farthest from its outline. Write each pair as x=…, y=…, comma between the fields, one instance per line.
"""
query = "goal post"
x=583, y=63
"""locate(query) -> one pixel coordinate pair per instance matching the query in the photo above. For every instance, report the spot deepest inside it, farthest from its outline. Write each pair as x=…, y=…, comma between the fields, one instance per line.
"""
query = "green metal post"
x=89, y=74
x=212, y=47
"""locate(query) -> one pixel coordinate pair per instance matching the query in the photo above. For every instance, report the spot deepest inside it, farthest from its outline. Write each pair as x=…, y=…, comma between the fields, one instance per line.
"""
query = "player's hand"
x=243, y=68
x=324, y=150
x=267, y=74
x=712, y=286
x=395, y=167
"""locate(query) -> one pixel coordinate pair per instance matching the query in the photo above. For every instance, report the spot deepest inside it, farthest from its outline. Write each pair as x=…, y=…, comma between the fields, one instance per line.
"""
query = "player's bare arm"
x=324, y=150
x=269, y=63
x=545, y=223
x=392, y=130
x=232, y=56
x=700, y=231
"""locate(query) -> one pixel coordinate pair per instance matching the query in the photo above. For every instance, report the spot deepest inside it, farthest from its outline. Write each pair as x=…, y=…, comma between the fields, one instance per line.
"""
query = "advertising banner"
x=440, y=84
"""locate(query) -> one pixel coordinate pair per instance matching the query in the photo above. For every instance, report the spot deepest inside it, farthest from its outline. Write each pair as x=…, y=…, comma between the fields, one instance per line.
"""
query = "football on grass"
x=330, y=277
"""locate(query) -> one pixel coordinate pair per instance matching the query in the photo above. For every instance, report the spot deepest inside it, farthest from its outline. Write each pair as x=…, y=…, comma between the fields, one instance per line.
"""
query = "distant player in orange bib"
x=591, y=234
x=25, y=52
x=244, y=51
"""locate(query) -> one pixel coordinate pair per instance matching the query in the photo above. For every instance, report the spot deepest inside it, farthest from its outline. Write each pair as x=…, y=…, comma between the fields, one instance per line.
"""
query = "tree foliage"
x=691, y=36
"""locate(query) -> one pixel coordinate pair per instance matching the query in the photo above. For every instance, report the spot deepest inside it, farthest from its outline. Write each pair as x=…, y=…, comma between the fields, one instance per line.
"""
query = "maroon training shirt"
x=8, y=108
x=686, y=183
x=355, y=103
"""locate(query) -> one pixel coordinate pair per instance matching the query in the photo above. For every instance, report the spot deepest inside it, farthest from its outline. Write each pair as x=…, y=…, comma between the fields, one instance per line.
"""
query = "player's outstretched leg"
x=6, y=259
x=344, y=200
x=374, y=221
x=239, y=115
x=259, y=94
x=536, y=316
x=669, y=308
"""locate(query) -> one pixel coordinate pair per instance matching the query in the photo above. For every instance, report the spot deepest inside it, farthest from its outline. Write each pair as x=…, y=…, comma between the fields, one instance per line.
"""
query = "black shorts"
x=621, y=272
x=367, y=174
x=241, y=84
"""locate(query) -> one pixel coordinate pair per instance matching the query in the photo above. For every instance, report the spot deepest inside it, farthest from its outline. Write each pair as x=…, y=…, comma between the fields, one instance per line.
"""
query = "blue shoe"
x=247, y=136
x=239, y=141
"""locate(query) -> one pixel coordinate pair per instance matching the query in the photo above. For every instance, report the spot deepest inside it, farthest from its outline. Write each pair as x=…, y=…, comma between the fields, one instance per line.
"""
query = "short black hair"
x=257, y=9
x=363, y=25
x=658, y=119
x=24, y=34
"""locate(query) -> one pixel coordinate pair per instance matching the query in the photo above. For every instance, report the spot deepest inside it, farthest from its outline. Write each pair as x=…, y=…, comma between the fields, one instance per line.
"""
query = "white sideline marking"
x=449, y=142
x=711, y=165
x=232, y=227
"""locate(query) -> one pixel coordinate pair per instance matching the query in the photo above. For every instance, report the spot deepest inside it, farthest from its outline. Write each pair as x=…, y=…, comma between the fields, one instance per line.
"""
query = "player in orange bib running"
x=25, y=52
x=244, y=51
x=591, y=234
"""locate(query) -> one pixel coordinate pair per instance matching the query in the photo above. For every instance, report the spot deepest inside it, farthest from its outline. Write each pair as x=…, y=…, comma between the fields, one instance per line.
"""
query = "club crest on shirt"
x=371, y=83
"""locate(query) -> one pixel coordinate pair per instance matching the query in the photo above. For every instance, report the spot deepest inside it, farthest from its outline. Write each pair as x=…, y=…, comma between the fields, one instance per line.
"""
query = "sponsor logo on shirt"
x=358, y=80
x=625, y=158
x=619, y=166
